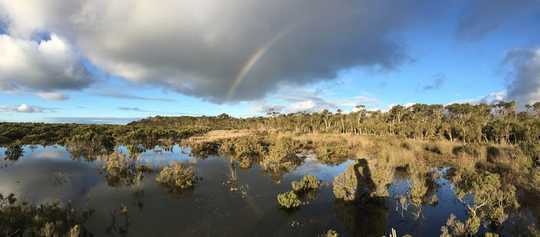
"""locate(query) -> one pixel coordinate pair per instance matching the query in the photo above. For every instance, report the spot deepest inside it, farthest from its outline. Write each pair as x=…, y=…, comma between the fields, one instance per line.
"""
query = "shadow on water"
x=227, y=201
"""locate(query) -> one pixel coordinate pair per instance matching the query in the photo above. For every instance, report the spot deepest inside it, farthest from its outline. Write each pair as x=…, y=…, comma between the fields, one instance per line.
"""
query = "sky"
x=100, y=61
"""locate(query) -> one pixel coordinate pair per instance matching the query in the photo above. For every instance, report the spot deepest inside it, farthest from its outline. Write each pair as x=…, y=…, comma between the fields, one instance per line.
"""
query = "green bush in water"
x=455, y=227
x=288, y=200
x=22, y=219
x=492, y=197
x=331, y=233
x=307, y=183
x=119, y=169
x=13, y=151
x=177, y=177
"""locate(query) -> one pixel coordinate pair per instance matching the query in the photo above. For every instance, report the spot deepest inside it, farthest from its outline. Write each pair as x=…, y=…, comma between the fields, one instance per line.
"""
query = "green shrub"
x=48, y=219
x=466, y=150
x=177, y=177
x=13, y=151
x=331, y=233
x=433, y=148
x=288, y=200
x=307, y=183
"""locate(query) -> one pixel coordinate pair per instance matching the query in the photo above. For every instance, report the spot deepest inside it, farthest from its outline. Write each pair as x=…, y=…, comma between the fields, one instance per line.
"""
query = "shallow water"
x=228, y=201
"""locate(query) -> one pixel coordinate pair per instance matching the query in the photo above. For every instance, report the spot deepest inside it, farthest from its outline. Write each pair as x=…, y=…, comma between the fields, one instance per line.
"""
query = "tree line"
x=499, y=123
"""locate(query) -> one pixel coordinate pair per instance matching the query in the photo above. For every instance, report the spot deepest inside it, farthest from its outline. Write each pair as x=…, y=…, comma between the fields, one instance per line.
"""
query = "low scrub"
x=466, y=151
x=288, y=200
x=433, y=148
x=121, y=170
x=306, y=184
x=13, y=151
x=177, y=177
x=21, y=219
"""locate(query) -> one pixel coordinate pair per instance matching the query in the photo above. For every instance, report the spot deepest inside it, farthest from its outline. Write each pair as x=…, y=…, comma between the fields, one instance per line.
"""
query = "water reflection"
x=231, y=199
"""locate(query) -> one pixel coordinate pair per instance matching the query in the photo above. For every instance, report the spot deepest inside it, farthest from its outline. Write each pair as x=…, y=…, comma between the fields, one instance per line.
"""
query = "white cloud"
x=24, y=108
x=52, y=96
x=43, y=66
x=294, y=100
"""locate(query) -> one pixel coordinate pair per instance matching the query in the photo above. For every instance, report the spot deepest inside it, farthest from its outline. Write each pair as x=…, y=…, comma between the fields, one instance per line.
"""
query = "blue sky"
x=438, y=66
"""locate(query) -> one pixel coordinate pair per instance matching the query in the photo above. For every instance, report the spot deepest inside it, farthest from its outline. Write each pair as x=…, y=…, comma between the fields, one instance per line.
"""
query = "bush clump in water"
x=455, y=227
x=281, y=156
x=22, y=219
x=306, y=184
x=14, y=151
x=288, y=200
x=177, y=177
x=331, y=233
x=492, y=198
x=119, y=169
x=333, y=152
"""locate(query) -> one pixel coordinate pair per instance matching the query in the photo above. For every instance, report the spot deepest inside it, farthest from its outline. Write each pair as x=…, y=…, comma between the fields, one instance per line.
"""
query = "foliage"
x=307, y=183
x=13, y=151
x=333, y=152
x=331, y=233
x=119, y=169
x=288, y=200
x=281, y=156
x=177, y=177
x=456, y=228
x=466, y=151
x=21, y=219
x=492, y=198
x=499, y=123
x=90, y=142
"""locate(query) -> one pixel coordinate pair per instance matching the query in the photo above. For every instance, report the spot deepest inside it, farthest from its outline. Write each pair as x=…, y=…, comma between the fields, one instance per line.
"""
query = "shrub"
x=288, y=200
x=177, y=177
x=331, y=233
x=333, y=152
x=466, y=150
x=14, y=151
x=90, y=142
x=248, y=147
x=204, y=149
x=492, y=197
x=48, y=219
x=119, y=169
x=307, y=183
x=406, y=146
x=433, y=148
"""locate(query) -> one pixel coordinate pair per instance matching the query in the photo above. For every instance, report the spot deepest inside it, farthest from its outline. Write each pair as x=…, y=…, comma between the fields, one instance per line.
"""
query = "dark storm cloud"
x=524, y=84
x=121, y=95
x=480, y=17
x=228, y=50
